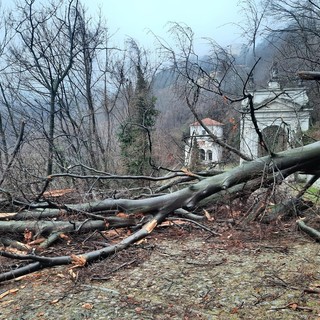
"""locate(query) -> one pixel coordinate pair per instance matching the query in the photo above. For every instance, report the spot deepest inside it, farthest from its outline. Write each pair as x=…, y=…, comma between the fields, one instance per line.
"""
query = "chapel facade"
x=281, y=115
x=209, y=151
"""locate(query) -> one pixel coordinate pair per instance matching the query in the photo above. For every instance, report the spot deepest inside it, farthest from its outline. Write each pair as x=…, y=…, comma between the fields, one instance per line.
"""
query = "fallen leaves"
x=294, y=306
x=138, y=310
x=27, y=235
x=87, y=306
x=115, y=234
x=234, y=310
x=122, y=215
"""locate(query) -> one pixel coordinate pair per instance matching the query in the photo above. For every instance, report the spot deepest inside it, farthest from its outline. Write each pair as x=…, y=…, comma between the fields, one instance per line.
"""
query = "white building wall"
x=198, y=130
x=274, y=107
x=205, y=143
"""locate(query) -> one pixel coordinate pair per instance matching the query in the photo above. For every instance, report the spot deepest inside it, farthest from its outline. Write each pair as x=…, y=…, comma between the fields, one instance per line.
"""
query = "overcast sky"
x=134, y=18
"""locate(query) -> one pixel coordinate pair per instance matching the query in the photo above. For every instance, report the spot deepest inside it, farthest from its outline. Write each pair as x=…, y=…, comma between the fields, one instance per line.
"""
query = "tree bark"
x=313, y=233
x=309, y=75
x=46, y=262
x=304, y=160
x=47, y=227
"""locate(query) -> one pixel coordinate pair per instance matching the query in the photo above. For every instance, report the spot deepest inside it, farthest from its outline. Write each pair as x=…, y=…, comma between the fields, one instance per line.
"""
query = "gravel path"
x=184, y=277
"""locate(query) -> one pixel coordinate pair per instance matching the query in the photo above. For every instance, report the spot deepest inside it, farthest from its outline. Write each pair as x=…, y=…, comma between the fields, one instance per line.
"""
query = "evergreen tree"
x=134, y=135
x=195, y=161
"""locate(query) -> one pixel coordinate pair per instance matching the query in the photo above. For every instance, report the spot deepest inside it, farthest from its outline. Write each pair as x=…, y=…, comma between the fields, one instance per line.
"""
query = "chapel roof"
x=208, y=122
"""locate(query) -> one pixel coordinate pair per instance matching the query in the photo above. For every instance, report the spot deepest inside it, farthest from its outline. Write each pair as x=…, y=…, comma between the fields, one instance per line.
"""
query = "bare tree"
x=45, y=53
x=202, y=80
x=288, y=35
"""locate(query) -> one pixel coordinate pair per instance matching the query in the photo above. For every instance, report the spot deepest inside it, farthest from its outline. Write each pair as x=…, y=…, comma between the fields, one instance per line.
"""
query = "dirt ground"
x=180, y=272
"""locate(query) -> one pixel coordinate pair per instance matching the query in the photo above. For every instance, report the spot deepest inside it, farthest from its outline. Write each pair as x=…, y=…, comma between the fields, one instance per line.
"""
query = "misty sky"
x=134, y=18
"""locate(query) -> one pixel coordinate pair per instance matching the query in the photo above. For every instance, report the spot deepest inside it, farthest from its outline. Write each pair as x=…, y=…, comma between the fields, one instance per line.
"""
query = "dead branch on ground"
x=151, y=211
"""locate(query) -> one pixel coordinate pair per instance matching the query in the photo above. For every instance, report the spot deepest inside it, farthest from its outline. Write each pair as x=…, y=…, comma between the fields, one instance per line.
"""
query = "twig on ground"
x=113, y=270
x=293, y=306
x=197, y=224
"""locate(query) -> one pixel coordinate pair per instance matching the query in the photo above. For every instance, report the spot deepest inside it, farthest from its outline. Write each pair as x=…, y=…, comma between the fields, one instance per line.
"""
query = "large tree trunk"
x=304, y=160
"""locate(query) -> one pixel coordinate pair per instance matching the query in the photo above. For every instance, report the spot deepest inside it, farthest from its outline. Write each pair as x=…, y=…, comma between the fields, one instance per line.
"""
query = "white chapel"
x=281, y=114
x=210, y=152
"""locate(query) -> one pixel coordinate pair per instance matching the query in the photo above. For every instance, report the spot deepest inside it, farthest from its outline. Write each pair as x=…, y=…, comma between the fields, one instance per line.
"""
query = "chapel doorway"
x=275, y=138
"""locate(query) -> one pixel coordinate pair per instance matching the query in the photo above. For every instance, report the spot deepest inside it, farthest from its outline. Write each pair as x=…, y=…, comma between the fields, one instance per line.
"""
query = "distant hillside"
x=167, y=77
x=164, y=78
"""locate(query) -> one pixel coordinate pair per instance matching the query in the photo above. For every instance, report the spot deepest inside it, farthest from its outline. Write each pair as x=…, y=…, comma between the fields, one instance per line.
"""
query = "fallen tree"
x=151, y=211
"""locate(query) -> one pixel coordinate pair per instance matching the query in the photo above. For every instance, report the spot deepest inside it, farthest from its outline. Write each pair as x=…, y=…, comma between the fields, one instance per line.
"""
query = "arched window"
x=202, y=155
x=209, y=153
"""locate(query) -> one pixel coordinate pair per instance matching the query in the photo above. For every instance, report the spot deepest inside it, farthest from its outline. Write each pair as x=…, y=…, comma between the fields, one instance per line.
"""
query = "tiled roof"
x=208, y=122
